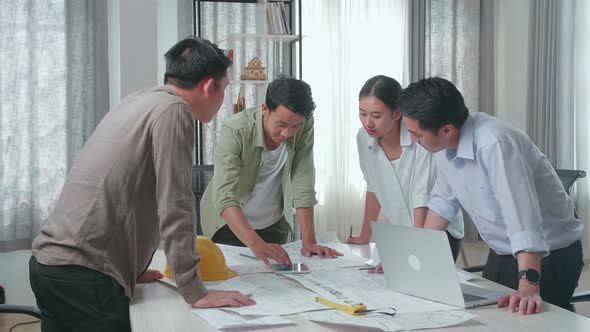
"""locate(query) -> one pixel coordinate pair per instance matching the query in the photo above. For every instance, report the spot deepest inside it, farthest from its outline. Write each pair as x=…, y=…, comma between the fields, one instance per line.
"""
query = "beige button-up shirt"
x=129, y=188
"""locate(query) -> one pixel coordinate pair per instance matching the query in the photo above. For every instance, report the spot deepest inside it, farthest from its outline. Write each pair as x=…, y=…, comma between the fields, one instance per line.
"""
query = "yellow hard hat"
x=212, y=265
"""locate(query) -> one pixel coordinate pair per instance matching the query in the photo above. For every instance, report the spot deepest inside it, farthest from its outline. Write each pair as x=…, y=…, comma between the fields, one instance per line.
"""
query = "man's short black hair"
x=292, y=93
x=192, y=59
x=434, y=102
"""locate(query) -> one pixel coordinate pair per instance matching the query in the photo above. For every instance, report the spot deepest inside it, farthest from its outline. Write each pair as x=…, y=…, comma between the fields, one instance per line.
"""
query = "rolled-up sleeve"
x=303, y=169
x=172, y=143
x=513, y=184
x=442, y=200
x=423, y=174
x=228, y=163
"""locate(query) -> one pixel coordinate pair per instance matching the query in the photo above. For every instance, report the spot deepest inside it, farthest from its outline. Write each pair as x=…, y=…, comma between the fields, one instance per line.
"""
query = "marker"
x=249, y=256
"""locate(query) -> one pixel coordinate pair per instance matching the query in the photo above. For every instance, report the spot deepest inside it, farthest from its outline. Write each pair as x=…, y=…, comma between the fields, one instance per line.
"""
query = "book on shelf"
x=277, y=19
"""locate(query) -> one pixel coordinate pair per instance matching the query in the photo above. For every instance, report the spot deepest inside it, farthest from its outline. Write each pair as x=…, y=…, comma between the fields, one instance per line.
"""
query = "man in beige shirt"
x=130, y=188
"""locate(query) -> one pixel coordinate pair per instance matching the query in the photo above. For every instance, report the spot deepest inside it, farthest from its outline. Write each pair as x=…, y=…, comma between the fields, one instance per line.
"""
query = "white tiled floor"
x=477, y=253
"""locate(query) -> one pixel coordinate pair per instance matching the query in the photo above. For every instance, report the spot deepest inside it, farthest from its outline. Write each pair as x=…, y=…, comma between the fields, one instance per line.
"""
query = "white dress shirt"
x=402, y=186
x=507, y=186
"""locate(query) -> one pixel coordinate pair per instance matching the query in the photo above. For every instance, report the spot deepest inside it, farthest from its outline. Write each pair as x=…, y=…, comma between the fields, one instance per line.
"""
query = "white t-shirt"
x=265, y=205
x=400, y=185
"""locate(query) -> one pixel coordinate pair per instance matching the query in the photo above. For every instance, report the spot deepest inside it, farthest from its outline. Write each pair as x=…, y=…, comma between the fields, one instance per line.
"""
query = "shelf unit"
x=246, y=33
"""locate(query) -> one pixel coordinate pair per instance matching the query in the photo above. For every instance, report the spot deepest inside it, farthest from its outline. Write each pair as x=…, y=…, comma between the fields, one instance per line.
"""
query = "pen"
x=245, y=255
x=367, y=268
x=350, y=232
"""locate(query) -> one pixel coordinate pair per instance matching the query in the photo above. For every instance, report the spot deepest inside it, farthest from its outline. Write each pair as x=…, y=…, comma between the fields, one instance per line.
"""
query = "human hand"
x=526, y=300
x=149, y=275
x=309, y=249
x=264, y=251
x=216, y=299
x=357, y=240
x=377, y=269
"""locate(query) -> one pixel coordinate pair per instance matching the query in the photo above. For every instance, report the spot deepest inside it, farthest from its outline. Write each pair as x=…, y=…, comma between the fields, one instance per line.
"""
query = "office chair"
x=202, y=174
x=17, y=309
x=20, y=309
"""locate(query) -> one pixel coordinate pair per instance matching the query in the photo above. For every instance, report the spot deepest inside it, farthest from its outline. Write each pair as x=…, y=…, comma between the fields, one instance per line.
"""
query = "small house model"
x=254, y=70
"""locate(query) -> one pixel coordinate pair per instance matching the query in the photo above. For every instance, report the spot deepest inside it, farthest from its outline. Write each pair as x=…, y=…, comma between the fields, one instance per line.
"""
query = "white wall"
x=140, y=32
x=511, y=25
x=174, y=23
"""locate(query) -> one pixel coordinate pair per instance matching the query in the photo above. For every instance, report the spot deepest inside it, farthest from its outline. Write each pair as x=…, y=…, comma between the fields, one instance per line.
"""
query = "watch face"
x=532, y=275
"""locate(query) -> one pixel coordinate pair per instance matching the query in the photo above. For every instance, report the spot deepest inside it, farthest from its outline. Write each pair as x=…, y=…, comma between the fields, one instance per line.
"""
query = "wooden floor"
x=9, y=320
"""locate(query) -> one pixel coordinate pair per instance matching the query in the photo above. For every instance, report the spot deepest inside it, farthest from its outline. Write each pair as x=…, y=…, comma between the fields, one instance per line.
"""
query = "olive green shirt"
x=129, y=187
x=238, y=160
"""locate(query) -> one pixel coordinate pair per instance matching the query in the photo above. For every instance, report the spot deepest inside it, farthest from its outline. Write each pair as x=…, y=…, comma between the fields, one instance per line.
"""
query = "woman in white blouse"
x=398, y=172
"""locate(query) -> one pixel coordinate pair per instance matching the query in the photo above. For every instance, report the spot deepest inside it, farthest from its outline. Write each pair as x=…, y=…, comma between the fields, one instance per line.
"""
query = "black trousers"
x=275, y=233
x=75, y=298
x=560, y=272
x=455, y=246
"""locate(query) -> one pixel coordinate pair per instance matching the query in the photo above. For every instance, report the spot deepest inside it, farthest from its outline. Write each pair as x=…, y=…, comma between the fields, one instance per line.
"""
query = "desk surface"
x=158, y=307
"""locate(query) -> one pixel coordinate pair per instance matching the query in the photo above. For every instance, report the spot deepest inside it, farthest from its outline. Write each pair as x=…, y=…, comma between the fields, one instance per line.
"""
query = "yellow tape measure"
x=356, y=309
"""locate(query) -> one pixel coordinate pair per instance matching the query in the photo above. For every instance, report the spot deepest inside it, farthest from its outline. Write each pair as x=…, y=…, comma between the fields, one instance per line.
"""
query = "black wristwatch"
x=531, y=275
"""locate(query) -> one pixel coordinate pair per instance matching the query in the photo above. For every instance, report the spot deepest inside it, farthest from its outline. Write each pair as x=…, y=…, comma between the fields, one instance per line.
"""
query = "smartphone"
x=290, y=268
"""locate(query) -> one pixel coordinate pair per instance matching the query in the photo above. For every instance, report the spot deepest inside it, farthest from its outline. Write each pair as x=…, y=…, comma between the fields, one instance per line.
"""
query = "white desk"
x=157, y=307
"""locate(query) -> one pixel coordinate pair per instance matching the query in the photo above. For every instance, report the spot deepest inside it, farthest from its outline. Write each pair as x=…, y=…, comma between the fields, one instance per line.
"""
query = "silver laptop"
x=419, y=262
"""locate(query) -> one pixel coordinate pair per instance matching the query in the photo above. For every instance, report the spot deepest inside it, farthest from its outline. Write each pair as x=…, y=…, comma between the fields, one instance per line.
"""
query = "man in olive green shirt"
x=263, y=169
x=129, y=188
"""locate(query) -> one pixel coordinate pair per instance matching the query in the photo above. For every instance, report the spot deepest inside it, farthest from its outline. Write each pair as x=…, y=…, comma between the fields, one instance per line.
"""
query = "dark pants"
x=275, y=233
x=75, y=298
x=455, y=246
x=560, y=272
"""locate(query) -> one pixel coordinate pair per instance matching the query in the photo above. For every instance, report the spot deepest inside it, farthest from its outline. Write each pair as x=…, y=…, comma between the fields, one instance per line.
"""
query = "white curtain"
x=452, y=49
x=346, y=42
x=51, y=97
x=550, y=114
x=582, y=113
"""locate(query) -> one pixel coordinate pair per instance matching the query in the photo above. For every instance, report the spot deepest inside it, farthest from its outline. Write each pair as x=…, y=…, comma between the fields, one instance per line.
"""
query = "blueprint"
x=315, y=263
x=274, y=294
x=407, y=321
x=221, y=319
x=368, y=288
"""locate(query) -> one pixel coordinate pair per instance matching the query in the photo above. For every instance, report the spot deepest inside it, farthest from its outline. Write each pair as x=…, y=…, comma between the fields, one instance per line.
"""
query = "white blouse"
x=401, y=186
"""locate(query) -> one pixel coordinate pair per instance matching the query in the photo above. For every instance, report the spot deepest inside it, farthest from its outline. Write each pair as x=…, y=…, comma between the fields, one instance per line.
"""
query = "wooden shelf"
x=249, y=82
x=260, y=37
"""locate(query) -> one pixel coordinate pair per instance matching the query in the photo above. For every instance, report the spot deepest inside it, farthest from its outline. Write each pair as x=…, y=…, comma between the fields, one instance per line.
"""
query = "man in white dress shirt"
x=506, y=184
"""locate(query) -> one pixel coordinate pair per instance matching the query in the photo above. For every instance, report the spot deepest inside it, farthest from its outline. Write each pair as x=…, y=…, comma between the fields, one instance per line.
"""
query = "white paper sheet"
x=226, y=320
x=274, y=294
x=360, y=286
x=407, y=321
x=315, y=263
